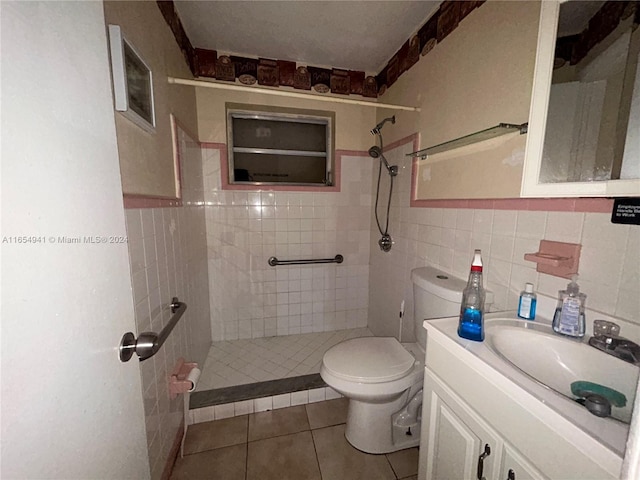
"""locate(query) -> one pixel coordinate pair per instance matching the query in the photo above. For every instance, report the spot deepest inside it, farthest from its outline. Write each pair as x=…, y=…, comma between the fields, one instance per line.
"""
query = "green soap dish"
x=583, y=389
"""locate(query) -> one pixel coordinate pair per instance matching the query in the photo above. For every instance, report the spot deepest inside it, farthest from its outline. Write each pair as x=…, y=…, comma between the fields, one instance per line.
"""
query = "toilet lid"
x=368, y=360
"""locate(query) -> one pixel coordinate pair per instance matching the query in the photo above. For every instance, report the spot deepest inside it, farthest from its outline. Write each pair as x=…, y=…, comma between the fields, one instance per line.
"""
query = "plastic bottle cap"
x=476, y=265
x=573, y=287
x=528, y=287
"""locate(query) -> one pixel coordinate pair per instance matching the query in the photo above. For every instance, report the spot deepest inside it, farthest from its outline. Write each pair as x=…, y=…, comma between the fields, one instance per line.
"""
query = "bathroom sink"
x=559, y=362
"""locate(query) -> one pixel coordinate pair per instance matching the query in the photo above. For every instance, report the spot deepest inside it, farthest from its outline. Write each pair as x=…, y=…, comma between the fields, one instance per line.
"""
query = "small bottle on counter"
x=527, y=303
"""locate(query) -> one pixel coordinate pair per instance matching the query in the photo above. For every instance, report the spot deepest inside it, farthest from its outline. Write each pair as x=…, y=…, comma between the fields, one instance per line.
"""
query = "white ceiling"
x=356, y=35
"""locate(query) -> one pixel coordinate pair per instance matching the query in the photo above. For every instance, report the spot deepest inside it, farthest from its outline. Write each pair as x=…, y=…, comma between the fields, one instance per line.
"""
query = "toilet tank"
x=436, y=294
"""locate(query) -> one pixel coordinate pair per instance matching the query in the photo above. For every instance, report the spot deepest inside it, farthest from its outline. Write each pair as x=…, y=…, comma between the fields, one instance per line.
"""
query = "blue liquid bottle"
x=471, y=323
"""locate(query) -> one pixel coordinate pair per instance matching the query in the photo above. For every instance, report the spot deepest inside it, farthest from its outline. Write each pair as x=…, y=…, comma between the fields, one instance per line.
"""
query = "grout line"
x=246, y=460
x=386, y=456
x=315, y=450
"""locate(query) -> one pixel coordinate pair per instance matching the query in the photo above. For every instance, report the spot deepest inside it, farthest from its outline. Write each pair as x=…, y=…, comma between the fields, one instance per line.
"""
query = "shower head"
x=376, y=152
x=376, y=130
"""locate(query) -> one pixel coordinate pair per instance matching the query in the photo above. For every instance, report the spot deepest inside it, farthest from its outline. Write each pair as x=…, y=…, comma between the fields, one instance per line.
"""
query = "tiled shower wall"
x=446, y=237
x=250, y=299
x=167, y=250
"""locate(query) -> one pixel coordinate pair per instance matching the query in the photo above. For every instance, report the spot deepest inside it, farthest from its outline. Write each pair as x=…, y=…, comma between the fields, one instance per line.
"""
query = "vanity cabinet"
x=462, y=445
x=516, y=467
x=468, y=406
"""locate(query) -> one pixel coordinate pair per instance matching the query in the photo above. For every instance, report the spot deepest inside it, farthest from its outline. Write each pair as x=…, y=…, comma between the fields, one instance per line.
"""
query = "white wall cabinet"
x=535, y=181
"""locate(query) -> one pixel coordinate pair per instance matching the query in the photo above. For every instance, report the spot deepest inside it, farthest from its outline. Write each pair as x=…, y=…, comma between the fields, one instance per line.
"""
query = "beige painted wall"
x=146, y=159
x=479, y=76
x=352, y=125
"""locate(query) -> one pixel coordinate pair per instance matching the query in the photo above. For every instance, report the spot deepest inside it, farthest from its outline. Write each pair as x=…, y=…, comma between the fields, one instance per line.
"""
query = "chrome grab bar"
x=273, y=261
x=148, y=343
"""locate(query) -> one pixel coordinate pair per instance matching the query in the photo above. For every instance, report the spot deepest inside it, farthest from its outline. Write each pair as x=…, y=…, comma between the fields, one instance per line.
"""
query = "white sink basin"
x=557, y=362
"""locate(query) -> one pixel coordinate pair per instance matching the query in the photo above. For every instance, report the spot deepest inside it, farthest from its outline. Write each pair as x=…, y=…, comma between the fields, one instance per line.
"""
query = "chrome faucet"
x=606, y=339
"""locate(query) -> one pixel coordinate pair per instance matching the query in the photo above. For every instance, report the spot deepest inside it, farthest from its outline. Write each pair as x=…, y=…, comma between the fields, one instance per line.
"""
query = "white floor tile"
x=238, y=362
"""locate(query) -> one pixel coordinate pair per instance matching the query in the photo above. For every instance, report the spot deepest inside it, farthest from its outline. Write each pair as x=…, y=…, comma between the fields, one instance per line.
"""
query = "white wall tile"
x=205, y=414
x=609, y=265
x=531, y=224
x=299, y=398
x=483, y=221
x=564, y=226
x=331, y=394
x=288, y=225
x=504, y=222
x=168, y=257
x=243, y=408
x=225, y=410
x=262, y=404
x=282, y=401
x=316, y=395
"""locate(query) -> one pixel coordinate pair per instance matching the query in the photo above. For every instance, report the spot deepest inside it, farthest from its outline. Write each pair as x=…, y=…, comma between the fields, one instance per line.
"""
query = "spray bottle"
x=471, y=323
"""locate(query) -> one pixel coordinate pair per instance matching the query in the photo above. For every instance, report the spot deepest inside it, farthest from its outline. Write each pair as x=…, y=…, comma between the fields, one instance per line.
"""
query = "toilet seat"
x=368, y=360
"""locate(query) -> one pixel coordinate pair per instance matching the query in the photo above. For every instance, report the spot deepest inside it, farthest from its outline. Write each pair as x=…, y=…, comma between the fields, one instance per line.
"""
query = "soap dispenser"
x=569, y=316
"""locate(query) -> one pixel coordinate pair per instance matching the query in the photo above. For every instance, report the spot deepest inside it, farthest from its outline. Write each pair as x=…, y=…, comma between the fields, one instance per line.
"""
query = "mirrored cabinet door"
x=584, y=128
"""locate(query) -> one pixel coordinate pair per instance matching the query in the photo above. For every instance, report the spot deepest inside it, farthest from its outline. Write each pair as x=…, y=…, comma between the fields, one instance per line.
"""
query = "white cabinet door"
x=458, y=443
x=516, y=467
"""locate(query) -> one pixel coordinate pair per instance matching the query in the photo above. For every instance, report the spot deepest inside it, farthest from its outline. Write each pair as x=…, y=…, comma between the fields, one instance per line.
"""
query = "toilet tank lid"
x=439, y=283
x=444, y=285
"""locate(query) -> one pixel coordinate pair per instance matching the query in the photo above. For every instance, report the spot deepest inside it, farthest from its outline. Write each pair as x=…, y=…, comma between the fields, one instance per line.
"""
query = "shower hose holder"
x=385, y=242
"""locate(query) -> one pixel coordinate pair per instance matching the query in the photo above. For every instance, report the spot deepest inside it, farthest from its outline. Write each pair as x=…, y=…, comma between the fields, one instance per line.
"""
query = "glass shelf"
x=482, y=135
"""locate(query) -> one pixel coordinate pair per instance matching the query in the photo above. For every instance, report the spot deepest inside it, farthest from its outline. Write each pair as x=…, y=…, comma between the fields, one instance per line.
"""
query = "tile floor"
x=305, y=442
x=237, y=362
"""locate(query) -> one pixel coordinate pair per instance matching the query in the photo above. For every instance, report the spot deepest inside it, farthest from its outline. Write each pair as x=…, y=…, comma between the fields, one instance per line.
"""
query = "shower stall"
x=272, y=324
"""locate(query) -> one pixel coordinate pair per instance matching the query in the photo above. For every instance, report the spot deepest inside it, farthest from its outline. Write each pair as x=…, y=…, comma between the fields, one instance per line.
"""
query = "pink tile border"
x=148, y=201
x=224, y=173
x=592, y=205
x=414, y=138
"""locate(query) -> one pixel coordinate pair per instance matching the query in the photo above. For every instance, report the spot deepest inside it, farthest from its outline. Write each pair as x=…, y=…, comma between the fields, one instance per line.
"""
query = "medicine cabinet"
x=584, y=125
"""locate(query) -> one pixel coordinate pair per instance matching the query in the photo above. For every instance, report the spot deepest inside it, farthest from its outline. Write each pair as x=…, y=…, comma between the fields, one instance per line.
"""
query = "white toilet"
x=382, y=378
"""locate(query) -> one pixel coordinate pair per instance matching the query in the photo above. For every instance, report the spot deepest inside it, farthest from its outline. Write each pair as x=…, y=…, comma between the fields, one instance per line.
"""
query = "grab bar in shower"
x=148, y=343
x=273, y=261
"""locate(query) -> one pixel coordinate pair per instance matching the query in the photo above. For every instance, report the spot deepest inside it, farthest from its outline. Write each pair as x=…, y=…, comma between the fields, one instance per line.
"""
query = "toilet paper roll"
x=193, y=377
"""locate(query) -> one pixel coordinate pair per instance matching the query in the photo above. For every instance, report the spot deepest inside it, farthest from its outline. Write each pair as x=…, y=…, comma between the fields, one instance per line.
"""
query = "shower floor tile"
x=238, y=362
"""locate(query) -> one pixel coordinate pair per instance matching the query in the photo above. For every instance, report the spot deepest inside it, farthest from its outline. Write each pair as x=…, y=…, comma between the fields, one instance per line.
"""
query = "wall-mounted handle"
x=483, y=455
x=511, y=475
x=148, y=343
x=274, y=262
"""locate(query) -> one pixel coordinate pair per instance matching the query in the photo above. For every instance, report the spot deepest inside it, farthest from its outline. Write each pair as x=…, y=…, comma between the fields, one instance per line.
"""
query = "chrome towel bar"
x=148, y=343
x=273, y=261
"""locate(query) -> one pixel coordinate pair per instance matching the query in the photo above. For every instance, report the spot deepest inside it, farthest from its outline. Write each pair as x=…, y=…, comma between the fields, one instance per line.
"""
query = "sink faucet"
x=606, y=339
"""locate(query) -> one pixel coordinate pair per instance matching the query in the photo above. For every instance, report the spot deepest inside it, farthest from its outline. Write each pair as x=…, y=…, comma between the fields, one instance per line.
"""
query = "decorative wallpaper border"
x=274, y=73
